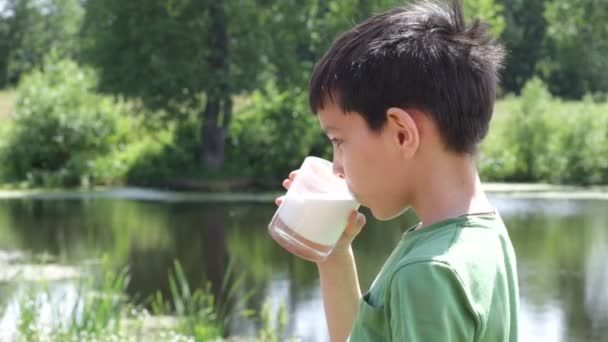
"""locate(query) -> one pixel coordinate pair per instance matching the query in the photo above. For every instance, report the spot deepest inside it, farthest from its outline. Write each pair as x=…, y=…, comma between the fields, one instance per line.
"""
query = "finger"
x=287, y=183
x=279, y=200
x=356, y=221
x=360, y=220
x=293, y=174
x=352, y=217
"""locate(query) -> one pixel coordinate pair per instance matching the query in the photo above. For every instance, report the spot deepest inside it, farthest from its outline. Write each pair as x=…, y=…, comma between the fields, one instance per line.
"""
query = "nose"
x=338, y=169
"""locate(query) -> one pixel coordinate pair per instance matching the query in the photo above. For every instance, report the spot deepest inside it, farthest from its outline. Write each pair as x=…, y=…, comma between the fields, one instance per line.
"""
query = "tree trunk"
x=216, y=115
x=214, y=135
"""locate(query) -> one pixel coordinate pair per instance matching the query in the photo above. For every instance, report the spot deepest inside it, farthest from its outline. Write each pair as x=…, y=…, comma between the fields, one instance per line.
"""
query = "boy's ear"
x=403, y=130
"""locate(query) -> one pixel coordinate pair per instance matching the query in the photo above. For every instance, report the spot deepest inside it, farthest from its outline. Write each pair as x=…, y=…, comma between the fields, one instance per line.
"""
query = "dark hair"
x=419, y=56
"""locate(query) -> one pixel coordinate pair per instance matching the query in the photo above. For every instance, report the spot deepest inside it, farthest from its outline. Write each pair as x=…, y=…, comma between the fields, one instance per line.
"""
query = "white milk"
x=320, y=218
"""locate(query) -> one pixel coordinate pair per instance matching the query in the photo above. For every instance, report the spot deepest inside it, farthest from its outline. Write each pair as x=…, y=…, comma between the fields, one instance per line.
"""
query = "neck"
x=449, y=188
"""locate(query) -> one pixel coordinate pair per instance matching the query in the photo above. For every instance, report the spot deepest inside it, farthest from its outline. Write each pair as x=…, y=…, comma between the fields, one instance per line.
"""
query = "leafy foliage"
x=273, y=133
x=163, y=51
x=562, y=42
x=60, y=126
x=540, y=138
x=192, y=60
x=578, y=37
x=29, y=29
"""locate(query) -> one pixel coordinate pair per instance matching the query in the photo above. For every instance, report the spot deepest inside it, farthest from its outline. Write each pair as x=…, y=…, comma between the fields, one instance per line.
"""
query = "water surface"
x=561, y=245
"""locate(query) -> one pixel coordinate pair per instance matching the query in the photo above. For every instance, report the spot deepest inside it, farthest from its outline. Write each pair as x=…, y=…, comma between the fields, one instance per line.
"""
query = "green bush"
x=540, y=138
x=167, y=154
x=273, y=133
x=61, y=126
x=580, y=148
x=498, y=158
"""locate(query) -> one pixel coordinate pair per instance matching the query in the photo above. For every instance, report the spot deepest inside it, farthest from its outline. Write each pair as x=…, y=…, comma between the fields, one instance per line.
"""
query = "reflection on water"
x=561, y=245
x=55, y=303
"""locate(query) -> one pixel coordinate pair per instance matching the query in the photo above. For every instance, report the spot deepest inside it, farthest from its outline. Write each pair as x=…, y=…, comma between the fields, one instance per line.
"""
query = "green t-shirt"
x=455, y=280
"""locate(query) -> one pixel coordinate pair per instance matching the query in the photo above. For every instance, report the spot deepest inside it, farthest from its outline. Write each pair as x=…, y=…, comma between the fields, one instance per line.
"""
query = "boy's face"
x=371, y=162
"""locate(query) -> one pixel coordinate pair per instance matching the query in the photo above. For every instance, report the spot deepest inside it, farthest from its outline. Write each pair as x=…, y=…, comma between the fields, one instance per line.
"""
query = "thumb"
x=355, y=223
x=360, y=221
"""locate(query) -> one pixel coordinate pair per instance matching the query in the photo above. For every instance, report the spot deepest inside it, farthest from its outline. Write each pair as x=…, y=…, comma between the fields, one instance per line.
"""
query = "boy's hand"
x=355, y=223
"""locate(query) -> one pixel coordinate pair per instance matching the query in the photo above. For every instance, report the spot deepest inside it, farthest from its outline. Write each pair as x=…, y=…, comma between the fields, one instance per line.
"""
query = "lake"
x=561, y=246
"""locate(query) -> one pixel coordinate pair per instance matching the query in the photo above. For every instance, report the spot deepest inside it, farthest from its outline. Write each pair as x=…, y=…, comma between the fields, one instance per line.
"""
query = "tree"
x=489, y=11
x=524, y=36
x=562, y=42
x=29, y=29
x=186, y=55
x=179, y=56
x=301, y=33
x=197, y=55
x=20, y=25
x=577, y=41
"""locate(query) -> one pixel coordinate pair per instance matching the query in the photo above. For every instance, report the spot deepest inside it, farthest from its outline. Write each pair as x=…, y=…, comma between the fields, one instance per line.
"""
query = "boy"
x=405, y=98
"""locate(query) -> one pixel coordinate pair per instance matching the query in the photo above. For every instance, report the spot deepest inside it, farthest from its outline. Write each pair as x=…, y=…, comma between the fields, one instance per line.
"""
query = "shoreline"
x=522, y=190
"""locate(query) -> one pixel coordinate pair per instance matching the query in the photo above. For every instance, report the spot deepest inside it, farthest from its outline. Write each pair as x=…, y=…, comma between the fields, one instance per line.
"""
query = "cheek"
x=338, y=156
x=359, y=167
x=372, y=169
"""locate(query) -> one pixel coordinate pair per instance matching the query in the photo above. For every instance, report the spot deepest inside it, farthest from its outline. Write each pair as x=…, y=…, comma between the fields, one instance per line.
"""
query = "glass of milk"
x=314, y=211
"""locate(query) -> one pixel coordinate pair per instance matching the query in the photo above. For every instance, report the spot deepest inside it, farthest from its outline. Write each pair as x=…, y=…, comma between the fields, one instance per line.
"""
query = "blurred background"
x=142, y=143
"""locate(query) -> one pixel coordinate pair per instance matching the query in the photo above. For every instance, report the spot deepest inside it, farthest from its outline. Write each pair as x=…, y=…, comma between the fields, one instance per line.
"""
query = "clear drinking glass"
x=314, y=211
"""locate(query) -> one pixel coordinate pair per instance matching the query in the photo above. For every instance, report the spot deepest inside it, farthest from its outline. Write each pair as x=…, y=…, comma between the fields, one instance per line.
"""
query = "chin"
x=388, y=214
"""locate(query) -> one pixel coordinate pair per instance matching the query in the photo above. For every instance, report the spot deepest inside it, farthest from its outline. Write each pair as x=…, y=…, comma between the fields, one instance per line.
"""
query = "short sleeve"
x=427, y=302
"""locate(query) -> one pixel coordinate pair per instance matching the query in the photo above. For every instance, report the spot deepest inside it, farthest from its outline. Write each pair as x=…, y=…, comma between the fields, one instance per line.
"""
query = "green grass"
x=7, y=103
x=99, y=310
x=103, y=312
